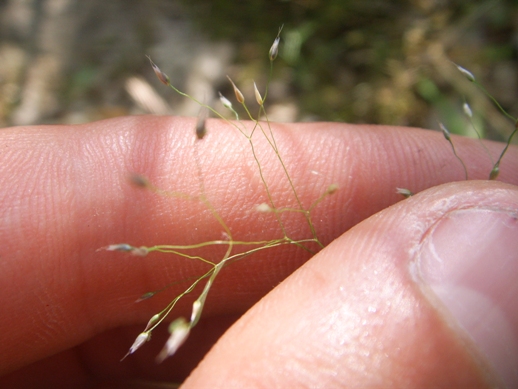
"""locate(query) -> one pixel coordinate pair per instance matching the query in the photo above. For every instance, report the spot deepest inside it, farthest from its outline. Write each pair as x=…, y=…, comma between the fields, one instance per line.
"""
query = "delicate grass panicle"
x=234, y=250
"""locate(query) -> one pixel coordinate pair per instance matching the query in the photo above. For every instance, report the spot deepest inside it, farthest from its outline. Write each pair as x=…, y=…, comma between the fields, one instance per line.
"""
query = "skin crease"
x=68, y=311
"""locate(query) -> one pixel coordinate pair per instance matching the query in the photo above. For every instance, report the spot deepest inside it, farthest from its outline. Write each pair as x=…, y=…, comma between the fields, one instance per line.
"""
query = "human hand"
x=371, y=309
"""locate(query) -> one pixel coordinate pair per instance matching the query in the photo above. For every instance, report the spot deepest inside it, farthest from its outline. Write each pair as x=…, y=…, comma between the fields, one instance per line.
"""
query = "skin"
x=69, y=312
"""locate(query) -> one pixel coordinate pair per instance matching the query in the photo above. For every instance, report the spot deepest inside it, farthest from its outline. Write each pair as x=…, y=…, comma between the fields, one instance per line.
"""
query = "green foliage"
x=368, y=62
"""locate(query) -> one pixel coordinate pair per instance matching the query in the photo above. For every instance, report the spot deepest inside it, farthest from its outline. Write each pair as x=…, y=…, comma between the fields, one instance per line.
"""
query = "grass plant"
x=234, y=250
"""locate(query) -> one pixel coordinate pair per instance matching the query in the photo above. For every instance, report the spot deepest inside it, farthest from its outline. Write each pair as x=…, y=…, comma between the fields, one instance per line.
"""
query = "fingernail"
x=469, y=260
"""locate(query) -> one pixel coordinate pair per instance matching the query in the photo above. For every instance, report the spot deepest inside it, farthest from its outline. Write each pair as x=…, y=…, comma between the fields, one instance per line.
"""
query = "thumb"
x=419, y=295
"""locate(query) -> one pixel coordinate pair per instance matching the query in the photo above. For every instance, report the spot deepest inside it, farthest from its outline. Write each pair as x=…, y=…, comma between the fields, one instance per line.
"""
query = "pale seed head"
x=141, y=339
x=274, y=50
x=467, y=110
x=445, y=131
x=138, y=180
x=494, y=173
x=226, y=102
x=196, y=311
x=179, y=330
x=124, y=247
x=332, y=189
x=201, y=130
x=141, y=251
x=160, y=74
x=152, y=321
x=258, y=96
x=263, y=208
x=405, y=192
x=466, y=73
x=119, y=247
x=239, y=96
x=145, y=296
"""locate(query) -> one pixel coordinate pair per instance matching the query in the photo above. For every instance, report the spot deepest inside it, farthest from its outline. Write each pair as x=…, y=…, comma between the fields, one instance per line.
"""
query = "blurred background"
x=375, y=61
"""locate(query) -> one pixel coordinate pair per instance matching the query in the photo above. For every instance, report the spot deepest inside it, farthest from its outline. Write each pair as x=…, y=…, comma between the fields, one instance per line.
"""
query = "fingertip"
x=354, y=315
x=467, y=265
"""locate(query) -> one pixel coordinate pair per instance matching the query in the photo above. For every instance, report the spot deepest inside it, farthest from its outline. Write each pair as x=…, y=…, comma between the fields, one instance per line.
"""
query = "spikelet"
x=258, y=96
x=239, y=96
x=160, y=74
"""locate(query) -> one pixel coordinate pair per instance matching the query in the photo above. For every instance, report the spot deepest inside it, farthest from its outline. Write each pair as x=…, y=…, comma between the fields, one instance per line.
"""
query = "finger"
x=420, y=295
x=65, y=194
